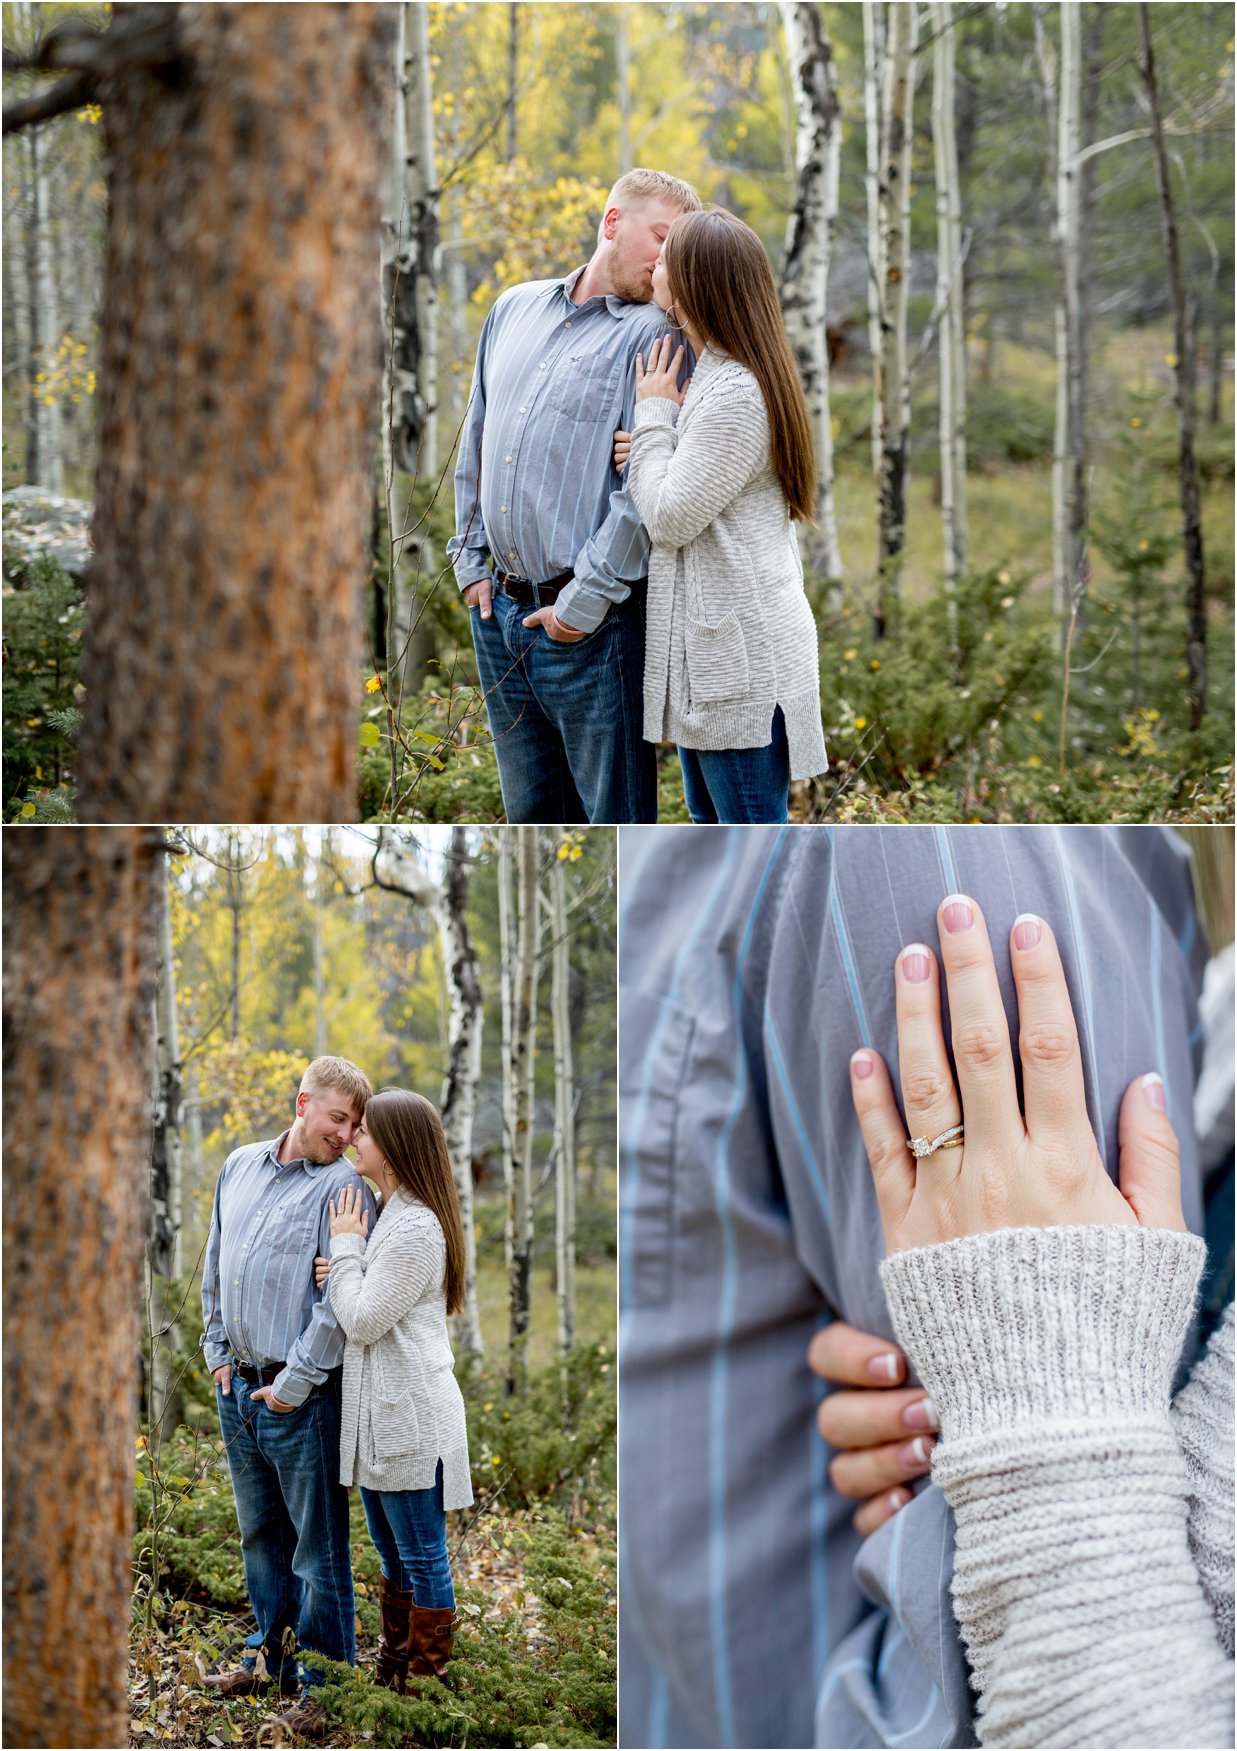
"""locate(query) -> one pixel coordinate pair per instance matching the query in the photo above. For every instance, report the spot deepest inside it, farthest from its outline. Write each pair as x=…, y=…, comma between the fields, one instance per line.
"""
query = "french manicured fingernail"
x=915, y=963
x=897, y=1499
x=1027, y=930
x=861, y=1065
x=957, y=913
x=918, y=1451
x=884, y=1367
x=921, y=1415
x=1153, y=1092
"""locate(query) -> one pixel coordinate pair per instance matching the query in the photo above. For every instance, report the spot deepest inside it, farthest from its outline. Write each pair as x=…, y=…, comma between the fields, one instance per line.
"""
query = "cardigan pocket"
x=716, y=659
x=396, y=1426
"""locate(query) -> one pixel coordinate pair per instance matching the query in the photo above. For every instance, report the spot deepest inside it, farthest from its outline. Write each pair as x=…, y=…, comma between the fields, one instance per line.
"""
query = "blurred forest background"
x=1004, y=237
x=477, y=969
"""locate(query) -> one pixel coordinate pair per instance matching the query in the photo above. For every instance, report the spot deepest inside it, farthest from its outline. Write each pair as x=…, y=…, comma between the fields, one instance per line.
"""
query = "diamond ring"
x=921, y=1147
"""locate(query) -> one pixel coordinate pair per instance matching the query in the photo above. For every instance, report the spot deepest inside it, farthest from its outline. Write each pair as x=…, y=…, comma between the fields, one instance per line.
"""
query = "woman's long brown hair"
x=407, y=1129
x=722, y=284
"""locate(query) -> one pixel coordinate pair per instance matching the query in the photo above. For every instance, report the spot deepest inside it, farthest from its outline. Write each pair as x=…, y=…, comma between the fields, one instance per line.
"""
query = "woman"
x=1044, y=1309
x=719, y=474
x=403, y=1437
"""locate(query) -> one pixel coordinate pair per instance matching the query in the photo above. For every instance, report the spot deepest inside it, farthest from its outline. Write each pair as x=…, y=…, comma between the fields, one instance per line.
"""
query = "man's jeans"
x=739, y=785
x=293, y=1515
x=567, y=718
x=409, y=1530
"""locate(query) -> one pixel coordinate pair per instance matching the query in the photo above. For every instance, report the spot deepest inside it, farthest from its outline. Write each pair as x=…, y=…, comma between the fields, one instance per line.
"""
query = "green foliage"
x=42, y=636
x=556, y=1440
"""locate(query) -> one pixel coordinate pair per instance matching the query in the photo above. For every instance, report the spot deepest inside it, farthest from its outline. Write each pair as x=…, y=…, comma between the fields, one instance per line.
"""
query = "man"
x=754, y=961
x=549, y=551
x=275, y=1349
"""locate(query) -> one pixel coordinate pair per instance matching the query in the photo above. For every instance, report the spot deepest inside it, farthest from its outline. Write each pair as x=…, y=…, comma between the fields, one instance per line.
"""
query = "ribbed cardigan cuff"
x=1031, y=1324
x=348, y=1246
x=656, y=410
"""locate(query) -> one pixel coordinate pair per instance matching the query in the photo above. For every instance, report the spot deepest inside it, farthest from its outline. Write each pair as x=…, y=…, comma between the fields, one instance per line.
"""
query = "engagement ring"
x=920, y=1146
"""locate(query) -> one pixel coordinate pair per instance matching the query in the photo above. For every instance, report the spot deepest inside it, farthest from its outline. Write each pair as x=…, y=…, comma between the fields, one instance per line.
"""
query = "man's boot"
x=307, y=1720
x=391, y=1666
x=244, y=1681
x=429, y=1642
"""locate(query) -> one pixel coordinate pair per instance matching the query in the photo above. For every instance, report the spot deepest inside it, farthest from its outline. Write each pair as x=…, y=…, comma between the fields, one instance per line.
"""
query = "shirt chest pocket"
x=585, y=388
x=290, y=1230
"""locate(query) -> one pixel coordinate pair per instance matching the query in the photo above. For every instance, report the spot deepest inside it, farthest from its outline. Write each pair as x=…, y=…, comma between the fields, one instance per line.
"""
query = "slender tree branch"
x=54, y=100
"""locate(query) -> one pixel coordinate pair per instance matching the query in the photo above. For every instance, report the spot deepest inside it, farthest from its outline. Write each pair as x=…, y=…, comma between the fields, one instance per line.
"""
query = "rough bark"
x=809, y=244
x=564, y=1110
x=895, y=168
x=949, y=296
x=81, y=908
x=238, y=378
x=1183, y=375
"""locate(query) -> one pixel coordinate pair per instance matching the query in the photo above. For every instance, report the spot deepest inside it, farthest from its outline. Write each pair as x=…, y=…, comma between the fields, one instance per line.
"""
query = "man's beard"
x=634, y=291
x=320, y=1152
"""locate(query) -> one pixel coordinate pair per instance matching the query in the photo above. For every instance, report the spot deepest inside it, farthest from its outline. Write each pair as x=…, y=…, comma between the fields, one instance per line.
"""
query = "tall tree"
x=398, y=868
x=81, y=908
x=809, y=244
x=1183, y=377
x=163, y=1252
x=518, y=1103
x=873, y=133
x=950, y=298
x=564, y=1101
x=238, y=377
x=902, y=35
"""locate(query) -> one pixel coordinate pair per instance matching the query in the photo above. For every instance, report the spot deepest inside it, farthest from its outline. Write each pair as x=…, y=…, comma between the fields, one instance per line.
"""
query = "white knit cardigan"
x=1093, y=1574
x=402, y=1407
x=729, y=634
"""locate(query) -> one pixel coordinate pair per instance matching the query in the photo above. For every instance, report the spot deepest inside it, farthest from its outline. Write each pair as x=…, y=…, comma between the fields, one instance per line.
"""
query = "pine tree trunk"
x=809, y=243
x=238, y=379
x=564, y=1110
x=949, y=297
x=520, y=1065
x=1183, y=372
x=81, y=906
x=895, y=167
x=164, y=1247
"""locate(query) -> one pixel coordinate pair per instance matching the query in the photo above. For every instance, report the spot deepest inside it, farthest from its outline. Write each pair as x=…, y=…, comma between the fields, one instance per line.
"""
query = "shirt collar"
x=615, y=306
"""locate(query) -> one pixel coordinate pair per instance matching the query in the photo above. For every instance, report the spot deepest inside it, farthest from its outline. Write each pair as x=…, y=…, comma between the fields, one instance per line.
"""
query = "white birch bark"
x=1062, y=81
x=809, y=243
x=447, y=904
x=163, y=1251
x=422, y=238
x=564, y=1110
x=520, y=1066
x=895, y=168
x=873, y=85
x=951, y=333
x=45, y=319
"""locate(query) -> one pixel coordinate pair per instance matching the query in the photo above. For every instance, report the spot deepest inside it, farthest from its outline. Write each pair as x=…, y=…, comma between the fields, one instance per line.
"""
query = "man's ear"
x=301, y=1102
x=609, y=223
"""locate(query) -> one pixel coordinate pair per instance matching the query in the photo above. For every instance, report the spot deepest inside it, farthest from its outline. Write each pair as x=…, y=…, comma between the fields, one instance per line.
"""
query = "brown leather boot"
x=391, y=1666
x=429, y=1641
x=308, y=1720
x=244, y=1681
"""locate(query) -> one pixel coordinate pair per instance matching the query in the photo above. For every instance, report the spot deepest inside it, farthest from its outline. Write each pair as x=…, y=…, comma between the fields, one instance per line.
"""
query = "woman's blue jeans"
x=409, y=1530
x=735, y=785
x=293, y=1515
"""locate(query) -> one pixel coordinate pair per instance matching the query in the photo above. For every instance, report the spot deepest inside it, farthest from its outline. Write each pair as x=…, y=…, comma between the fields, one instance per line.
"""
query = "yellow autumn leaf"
x=373, y=684
x=861, y=723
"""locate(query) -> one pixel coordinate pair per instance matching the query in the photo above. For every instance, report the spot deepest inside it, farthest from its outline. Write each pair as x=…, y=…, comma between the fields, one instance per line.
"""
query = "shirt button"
x=541, y=366
x=508, y=458
x=566, y=325
x=502, y=507
x=237, y=1283
x=523, y=410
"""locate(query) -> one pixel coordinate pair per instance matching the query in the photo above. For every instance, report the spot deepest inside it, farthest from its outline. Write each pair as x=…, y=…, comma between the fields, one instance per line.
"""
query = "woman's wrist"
x=655, y=410
x=347, y=1245
x=1026, y=1326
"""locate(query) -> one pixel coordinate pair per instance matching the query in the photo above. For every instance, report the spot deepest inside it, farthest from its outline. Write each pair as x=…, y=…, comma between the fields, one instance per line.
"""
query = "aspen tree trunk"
x=809, y=243
x=1092, y=53
x=236, y=906
x=873, y=128
x=239, y=373
x=163, y=1252
x=623, y=52
x=459, y=1093
x=422, y=269
x=564, y=1108
x=895, y=169
x=951, y=333
x=1063, y=100
x=81, y=906
x=506, y=956
x=447, y=904
x=320, y=1027
x=520, y=1064
x=1183, y=373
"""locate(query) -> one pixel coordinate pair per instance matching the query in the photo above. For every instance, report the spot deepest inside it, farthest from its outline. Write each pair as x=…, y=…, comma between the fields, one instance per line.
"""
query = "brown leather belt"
x=530, y=595
x=259, y=1376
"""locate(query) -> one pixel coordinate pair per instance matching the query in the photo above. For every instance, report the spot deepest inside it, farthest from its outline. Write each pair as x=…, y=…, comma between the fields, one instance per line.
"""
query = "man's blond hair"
x=338, y=1073
x=639, y=185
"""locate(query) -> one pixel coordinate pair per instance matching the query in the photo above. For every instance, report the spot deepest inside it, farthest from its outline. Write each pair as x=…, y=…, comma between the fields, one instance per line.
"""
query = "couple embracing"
x=625, y=532
x=326, y=1333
